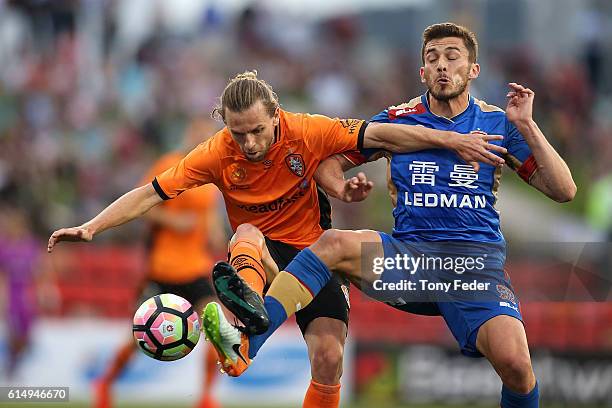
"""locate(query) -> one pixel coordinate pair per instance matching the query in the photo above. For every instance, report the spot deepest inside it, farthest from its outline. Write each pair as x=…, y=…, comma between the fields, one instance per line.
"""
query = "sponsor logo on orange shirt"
x=351, y=124
x=275, y=205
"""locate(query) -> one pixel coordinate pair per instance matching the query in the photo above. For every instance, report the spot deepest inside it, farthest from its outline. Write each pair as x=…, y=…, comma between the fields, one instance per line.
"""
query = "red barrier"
x=100, y=281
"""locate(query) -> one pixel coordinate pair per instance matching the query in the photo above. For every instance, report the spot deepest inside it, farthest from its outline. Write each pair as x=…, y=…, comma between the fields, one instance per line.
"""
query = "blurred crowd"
x=90, y=96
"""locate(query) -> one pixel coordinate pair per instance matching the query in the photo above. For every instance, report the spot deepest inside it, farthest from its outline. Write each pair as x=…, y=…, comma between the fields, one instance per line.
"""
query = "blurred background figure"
x=26, y=286
x=185, y=237
x=93, y=92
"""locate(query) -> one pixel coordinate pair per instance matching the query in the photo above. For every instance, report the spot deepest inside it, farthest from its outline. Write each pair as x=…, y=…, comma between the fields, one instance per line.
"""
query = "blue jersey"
x=437, y=196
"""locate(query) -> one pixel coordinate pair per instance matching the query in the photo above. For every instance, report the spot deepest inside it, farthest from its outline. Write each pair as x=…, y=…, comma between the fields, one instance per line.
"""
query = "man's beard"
x=445, y=96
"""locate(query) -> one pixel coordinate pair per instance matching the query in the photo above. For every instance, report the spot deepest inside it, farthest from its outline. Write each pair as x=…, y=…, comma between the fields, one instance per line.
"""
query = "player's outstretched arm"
x=330, y=176
x=552, y=177
x=474, y=148
x=129, y=206
x=183, y=221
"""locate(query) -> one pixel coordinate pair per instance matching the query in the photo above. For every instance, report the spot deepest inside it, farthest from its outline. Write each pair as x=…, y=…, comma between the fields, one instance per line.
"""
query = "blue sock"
x=277, y=315
x=511, y=399
x=310, y=271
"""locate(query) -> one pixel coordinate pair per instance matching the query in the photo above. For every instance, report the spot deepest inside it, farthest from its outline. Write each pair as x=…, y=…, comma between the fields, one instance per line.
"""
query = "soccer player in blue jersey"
x=446, y=254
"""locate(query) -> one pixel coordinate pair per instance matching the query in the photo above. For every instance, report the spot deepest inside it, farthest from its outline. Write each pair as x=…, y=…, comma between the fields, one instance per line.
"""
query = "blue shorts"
x=465, y=283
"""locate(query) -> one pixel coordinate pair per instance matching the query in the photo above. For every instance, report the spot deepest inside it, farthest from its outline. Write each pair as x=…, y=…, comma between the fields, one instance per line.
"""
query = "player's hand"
x=69, y=234
x=356, y=189
x=520, y=103
x=475, y=148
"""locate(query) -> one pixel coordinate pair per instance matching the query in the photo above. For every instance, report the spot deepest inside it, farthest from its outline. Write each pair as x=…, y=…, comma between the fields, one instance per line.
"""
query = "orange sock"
x=322, y=396
x=245, y=256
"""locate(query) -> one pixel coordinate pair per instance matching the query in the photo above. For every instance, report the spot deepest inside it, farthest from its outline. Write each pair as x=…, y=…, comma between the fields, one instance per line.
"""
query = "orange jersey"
x=176, y=256
x=278, y=194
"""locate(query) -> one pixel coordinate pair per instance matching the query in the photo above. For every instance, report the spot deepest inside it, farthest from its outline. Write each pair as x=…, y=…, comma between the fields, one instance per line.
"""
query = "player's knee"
x=247, y=230
x=327, y=364
x=330, y=244
x=517, y=373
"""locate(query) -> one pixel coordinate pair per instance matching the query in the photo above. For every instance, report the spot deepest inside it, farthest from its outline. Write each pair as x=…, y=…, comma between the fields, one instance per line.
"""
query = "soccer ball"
x=166, y=327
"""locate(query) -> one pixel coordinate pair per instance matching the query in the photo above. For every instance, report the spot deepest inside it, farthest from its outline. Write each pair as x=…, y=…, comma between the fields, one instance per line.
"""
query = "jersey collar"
x=276, y=133
x=454, y=119
x=278, y=130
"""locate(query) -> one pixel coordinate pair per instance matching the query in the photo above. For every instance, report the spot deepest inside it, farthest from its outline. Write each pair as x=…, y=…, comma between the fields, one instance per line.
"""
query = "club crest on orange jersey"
x=237, y=173
x=295, y=162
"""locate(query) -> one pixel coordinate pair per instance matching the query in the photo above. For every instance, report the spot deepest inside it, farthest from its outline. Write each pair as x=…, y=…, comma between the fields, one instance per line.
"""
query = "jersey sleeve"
x=161, y=165
x=199, y=167
x=325, y=137
x=361, y=156
x=520, y=158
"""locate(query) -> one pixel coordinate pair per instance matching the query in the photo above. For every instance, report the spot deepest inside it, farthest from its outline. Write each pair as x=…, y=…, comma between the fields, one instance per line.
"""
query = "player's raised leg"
x=343, y=252
x=239, y=284
x=249, y=255
x=502, y=340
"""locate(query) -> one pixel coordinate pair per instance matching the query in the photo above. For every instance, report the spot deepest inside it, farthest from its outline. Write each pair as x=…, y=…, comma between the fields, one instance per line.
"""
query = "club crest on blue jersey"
x=505, y=293
x=406, y=109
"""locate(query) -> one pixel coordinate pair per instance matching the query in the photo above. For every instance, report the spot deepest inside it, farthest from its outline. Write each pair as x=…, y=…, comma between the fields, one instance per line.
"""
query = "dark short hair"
x=443, y=30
